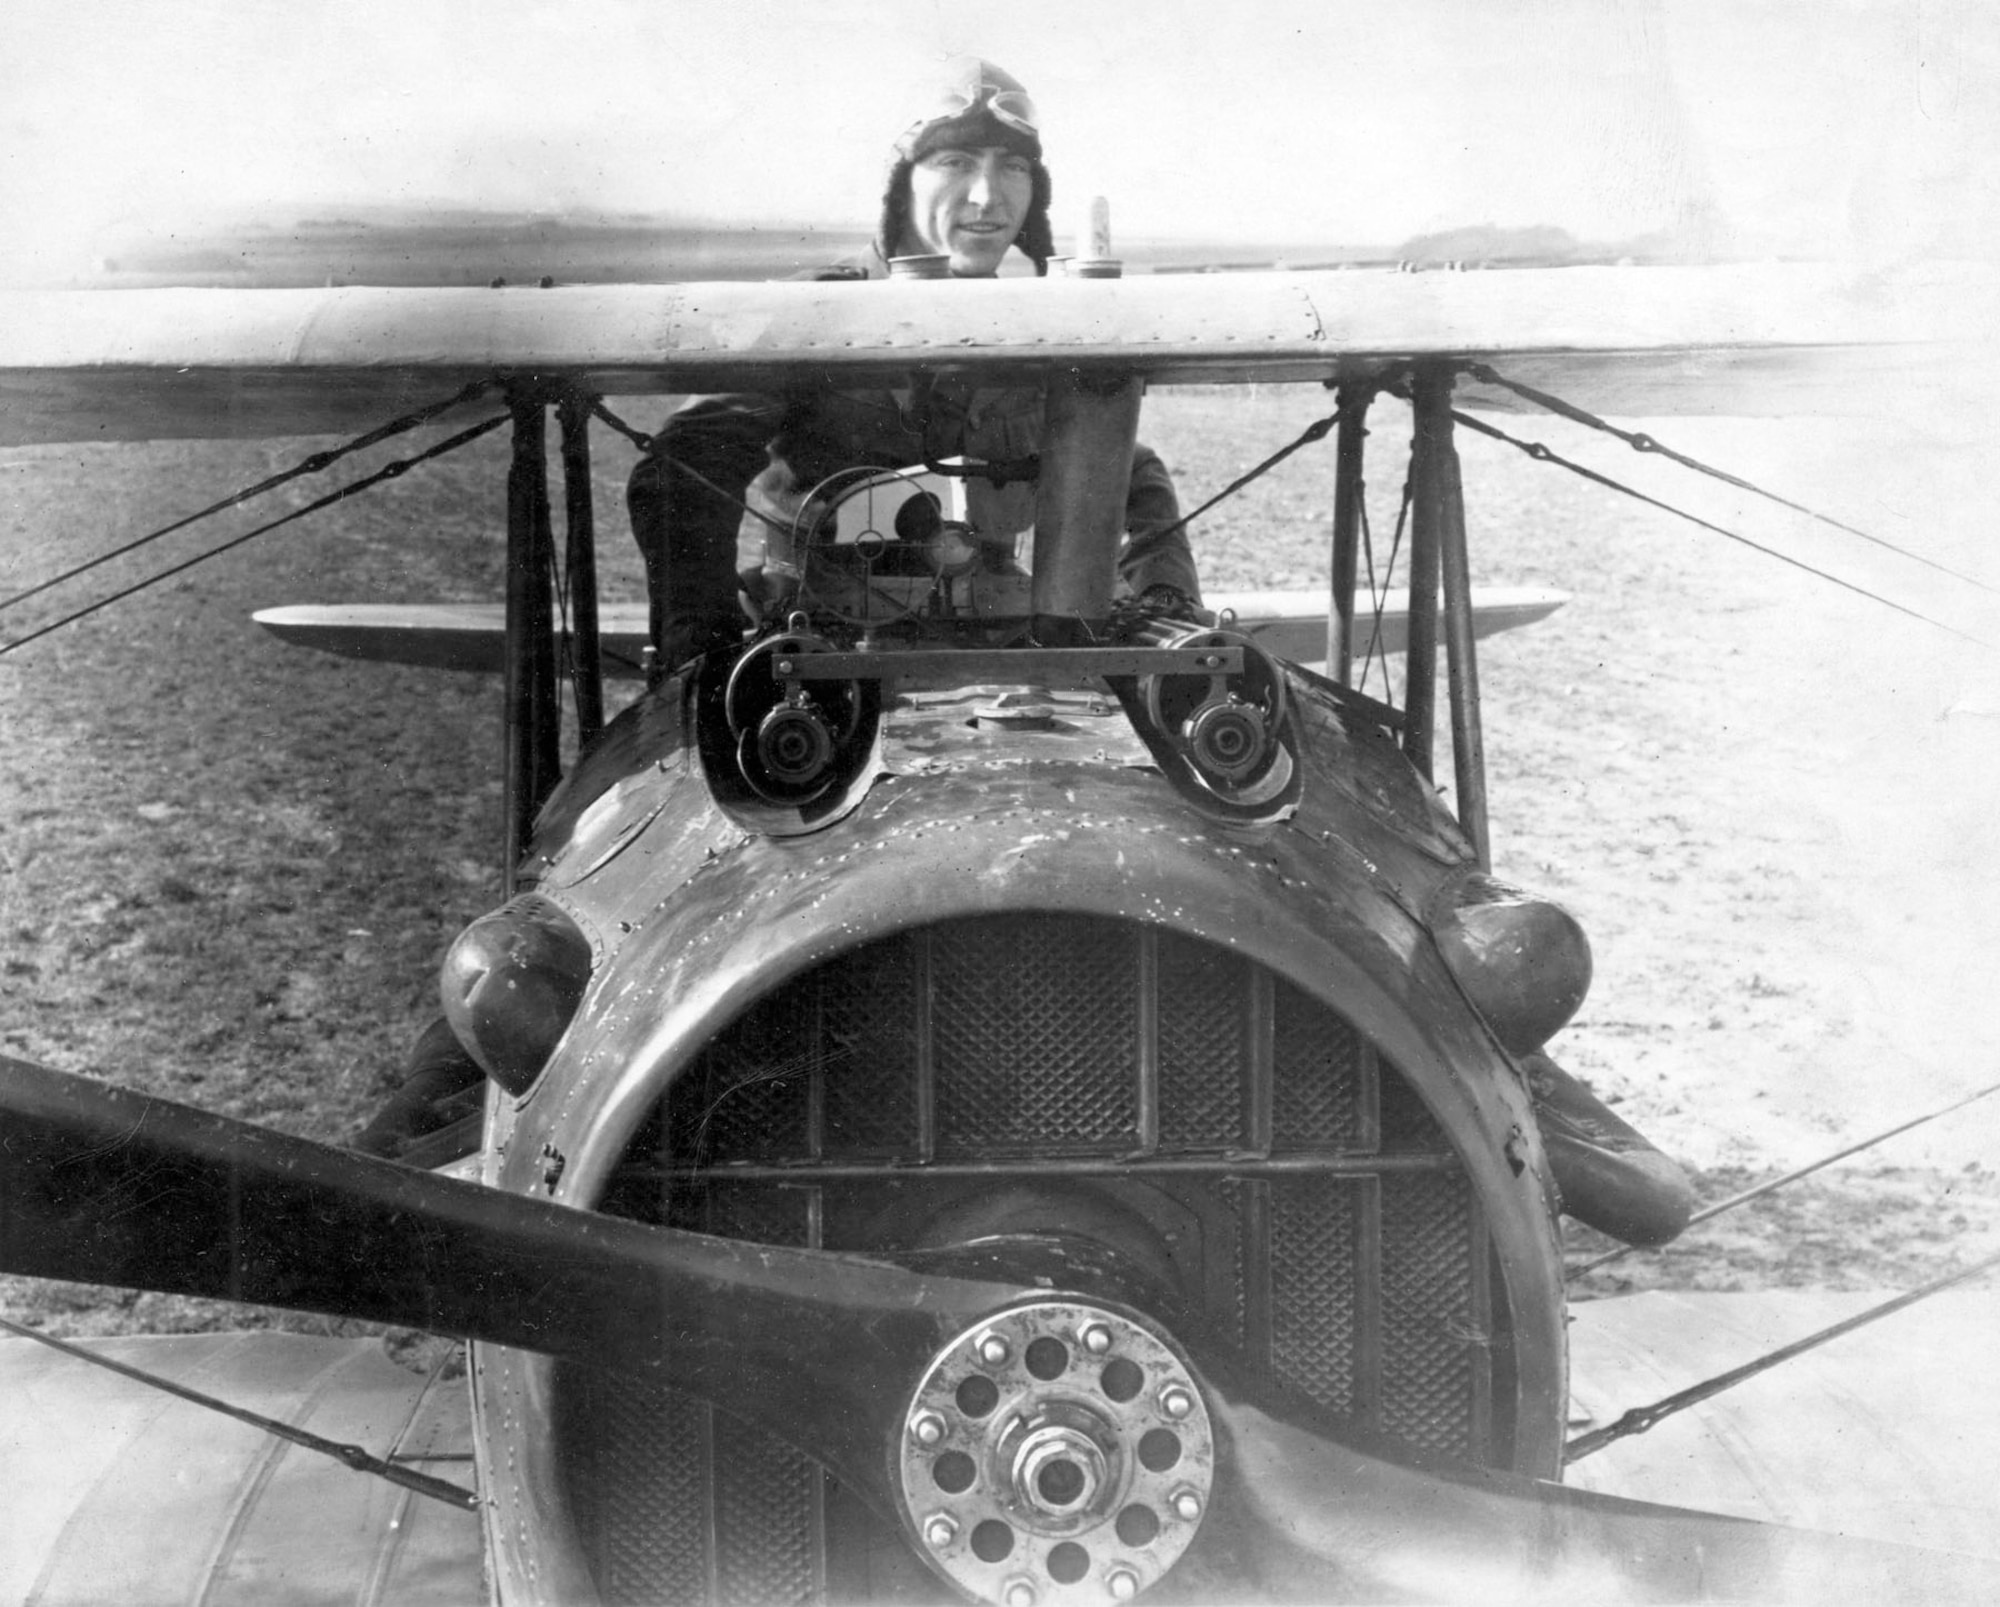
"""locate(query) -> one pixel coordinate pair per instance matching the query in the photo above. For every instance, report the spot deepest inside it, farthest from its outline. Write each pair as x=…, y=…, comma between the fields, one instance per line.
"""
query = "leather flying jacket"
x=810, y=434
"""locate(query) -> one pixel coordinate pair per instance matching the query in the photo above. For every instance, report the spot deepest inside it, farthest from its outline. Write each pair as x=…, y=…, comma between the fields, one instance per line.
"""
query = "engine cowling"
x=1021, y=989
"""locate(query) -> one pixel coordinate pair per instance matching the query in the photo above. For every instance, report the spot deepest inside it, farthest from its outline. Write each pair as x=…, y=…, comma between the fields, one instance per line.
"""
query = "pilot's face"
x=968, y=205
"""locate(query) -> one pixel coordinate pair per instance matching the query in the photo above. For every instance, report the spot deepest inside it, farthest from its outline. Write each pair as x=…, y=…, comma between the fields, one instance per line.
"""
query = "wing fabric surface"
x=117, y=1493
x=1904, y=1399
x=146, y=364
x=472, y=636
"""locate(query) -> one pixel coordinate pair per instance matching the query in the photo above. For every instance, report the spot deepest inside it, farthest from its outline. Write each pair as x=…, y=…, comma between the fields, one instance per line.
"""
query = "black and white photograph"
x=849, y=802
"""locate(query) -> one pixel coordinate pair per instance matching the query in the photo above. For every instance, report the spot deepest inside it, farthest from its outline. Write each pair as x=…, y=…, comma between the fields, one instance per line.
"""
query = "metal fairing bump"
x=1523, y=961
x=511, y=983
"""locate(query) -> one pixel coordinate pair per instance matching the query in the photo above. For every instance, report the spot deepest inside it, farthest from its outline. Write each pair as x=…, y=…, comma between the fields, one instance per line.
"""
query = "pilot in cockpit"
x=966, y=184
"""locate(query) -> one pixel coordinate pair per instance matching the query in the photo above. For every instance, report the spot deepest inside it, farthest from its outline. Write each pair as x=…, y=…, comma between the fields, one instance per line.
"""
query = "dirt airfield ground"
x=228, y=868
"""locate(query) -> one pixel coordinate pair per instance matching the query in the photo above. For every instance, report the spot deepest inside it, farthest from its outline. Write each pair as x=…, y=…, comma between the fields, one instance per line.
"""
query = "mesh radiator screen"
x=1333, y=1233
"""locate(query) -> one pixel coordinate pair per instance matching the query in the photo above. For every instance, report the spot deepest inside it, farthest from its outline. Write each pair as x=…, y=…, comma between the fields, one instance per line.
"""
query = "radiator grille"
x=1032, y=1022
x=1043, y=1052
x=1313, y=1225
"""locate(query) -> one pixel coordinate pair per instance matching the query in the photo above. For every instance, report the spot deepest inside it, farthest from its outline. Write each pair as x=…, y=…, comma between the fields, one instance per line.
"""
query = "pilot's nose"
x=982, y=188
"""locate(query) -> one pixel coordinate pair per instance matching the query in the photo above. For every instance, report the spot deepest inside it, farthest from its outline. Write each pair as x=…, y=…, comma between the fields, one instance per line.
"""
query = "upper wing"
x=135, y=365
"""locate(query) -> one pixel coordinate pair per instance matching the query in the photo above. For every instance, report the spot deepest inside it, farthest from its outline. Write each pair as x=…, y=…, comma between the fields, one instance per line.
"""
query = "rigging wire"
x=1318, y=430
x=312, y=464
x=1536, y=450
x=388, y=471
x=1639, y=441
x=1641, y=1418
x=1776, y=1183
x=644, y=442
x=1635, y=1421
x=1315, y=431
x=356, y=1458
x=1379, y=593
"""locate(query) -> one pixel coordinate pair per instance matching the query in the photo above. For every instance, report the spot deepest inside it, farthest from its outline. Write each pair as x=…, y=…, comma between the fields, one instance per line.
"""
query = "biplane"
x=989, y=1092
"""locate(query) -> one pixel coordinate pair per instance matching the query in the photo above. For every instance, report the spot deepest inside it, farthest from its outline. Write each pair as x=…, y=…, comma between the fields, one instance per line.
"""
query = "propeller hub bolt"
x=1021, y=1593
x=1187, y=1505
x=1123, y=1584
x=993, y=1350
x=1097, y=1339
x=927, y=1428
x=940, y=1529
x=1176, y=1402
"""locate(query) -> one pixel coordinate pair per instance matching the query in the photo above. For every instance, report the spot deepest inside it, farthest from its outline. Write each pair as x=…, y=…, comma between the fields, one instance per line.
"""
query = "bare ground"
x=228, y=869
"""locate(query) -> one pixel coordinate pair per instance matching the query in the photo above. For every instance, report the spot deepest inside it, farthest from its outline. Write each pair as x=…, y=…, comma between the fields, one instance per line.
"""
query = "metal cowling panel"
x=1021, y=1054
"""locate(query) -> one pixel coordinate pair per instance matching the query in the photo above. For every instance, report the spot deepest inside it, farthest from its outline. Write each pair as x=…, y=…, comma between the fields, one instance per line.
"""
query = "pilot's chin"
x=978, y=261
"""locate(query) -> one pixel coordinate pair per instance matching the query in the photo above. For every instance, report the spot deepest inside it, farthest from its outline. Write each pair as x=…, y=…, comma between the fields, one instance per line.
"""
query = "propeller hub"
x=1059, y=1448
x=1059, y=1471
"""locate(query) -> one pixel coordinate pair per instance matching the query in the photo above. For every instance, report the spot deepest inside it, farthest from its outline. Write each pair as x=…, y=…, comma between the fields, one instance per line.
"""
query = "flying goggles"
x=1011, y=107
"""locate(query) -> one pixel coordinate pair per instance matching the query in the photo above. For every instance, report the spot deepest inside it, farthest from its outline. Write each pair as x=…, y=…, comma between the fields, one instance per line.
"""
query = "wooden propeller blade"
x=105, y=1185
x=1309, y=1514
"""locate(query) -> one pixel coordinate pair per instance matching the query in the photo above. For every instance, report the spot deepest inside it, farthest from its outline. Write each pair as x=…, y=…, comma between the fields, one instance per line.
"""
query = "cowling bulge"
x=511, y=984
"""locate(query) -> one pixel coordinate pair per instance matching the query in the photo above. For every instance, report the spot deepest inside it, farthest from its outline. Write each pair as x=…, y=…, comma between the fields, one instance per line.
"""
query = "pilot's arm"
x=1156, y=551
x=686, y=526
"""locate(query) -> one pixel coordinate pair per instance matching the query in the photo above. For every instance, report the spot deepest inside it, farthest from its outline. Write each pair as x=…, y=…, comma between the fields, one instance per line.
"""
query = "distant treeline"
x=474, y=249
x=471, y=248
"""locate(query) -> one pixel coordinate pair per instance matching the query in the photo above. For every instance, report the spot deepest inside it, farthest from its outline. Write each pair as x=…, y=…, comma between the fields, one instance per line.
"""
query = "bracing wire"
x=645, y=443
x=1639, y=441
x=1541, y=453
x=1776, y=1183
x=1379, y=592
x=388, y=471
x=1641, y=1418
x=354, y=1457
x=1315, y=431
x=313, y=464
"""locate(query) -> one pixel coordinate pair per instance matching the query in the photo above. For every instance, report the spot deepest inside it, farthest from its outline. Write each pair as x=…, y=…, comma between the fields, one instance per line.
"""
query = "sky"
x=1821, y=128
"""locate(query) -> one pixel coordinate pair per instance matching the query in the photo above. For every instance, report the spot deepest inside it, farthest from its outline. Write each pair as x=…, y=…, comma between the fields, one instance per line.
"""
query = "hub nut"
x=1187, y=1505
x=940, y=1529
x=1122, y=1583
x=1096, y=1339
x=1021, y=1593
x=927, y=1428
x=1175, y=1401
x=994, y=1352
